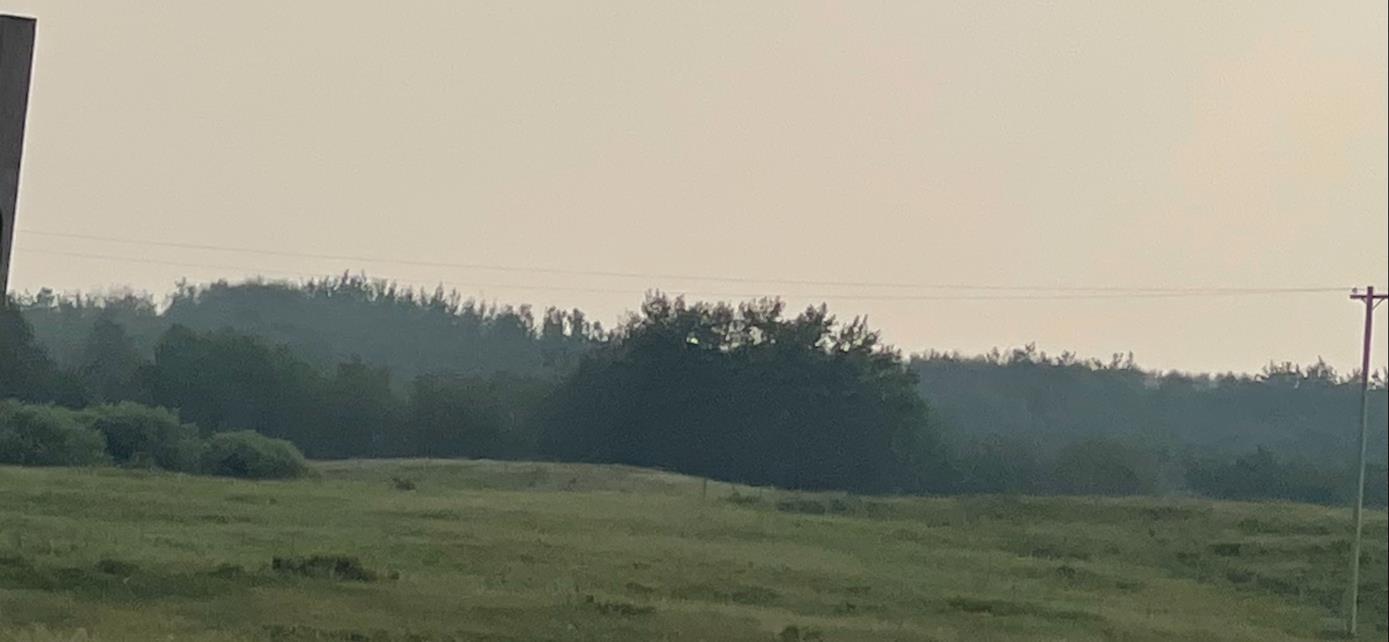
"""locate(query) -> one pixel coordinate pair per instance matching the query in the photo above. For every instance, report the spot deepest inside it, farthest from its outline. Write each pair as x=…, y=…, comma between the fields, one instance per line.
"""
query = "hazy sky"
x=1050, y=144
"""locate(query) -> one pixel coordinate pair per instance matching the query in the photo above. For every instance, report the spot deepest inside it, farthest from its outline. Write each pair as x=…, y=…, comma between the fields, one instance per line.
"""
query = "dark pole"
x=1353, y=591
x=16, y=63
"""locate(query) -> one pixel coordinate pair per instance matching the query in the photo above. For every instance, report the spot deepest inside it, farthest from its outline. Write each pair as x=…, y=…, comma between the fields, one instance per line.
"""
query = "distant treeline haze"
x=350, y=367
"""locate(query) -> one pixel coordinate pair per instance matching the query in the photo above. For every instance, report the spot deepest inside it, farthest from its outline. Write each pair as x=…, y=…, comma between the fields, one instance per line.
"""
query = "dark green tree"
x=26, y=372
x=222, y=380
x=1102, y=467
x=359, y=414
x=472, y=416
x=748, y=395
x=110, y=363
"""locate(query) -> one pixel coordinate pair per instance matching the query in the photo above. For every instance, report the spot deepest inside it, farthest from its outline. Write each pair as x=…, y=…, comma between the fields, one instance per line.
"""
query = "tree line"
x=1049, y=401
x=330, y=320
x=350, y=367
x=744, y=393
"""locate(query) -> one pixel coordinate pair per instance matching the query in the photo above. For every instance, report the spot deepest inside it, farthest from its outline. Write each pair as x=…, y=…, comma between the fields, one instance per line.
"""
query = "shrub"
x=252, y=455
x=47, y=436
x=136, y=434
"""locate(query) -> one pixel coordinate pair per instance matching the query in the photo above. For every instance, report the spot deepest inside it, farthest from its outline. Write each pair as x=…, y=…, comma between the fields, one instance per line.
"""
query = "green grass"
x=521, y=551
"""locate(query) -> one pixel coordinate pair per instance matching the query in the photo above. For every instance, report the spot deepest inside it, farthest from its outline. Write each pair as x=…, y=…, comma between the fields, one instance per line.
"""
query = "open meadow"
x=476, y=550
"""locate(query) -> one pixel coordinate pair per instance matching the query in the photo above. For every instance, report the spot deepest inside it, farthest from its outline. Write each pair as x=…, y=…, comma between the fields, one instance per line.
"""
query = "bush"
x=252, y=455
x=136, y=434
x=47, y=436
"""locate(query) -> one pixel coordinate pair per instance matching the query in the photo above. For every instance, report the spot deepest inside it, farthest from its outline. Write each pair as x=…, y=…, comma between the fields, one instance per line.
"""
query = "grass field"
x=521, y=551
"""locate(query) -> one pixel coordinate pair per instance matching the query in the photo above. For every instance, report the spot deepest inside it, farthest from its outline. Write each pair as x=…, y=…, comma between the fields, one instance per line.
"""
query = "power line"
x=1118, y=290
x=1226, y=292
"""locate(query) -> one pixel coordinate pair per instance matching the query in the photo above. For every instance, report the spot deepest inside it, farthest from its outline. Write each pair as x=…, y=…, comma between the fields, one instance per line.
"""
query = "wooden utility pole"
x=16, y=62
x=1353, y=591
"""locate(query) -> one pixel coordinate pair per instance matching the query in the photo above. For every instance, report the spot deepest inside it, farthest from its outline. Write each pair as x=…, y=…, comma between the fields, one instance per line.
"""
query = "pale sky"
x=1049, y=144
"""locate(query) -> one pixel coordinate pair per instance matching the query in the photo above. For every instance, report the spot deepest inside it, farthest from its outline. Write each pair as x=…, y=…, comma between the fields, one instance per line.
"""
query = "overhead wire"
x=1070, y=291
x=1052, y=296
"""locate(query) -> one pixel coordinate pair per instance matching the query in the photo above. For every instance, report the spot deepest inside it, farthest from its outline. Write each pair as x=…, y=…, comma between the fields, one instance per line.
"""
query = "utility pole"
x=16, y=63
x=1353, y=591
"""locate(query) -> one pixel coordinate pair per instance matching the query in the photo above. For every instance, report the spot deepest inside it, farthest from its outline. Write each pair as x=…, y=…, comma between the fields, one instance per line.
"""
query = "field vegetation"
x=481, y=550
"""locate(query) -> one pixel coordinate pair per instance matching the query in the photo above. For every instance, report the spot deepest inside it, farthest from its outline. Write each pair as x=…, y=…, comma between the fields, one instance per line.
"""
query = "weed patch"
x=255, y=500
x=639, y=589
x=333, y=567
x=743, y=500
x=1171, y=513
x=753, y=595
x=118, y=568
x=303, y=633
x=801, y=505
x=794, y=633
x=114, y=579
x=1256, y=526
x=448, y=515
x=750, y=595
x=623, y=609
x=1058, y=552
x=1227, y=549
x=1009, y=608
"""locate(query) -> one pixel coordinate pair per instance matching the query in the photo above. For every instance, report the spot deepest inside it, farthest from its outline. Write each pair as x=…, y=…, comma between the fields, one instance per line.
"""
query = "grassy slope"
x=487, y=550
